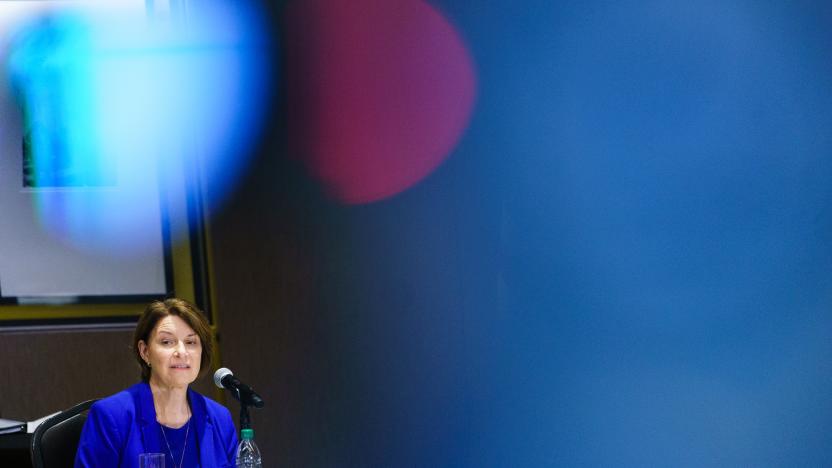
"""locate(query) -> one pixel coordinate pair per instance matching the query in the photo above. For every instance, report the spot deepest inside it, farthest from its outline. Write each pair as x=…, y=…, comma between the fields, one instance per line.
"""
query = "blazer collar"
x=151, y=432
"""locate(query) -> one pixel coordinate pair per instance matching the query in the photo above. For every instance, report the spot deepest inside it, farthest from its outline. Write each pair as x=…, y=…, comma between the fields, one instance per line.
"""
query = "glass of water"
x=151, y=460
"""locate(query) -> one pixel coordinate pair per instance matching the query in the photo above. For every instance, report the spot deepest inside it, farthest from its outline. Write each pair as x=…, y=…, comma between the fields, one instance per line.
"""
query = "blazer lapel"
x=151, y=439
x=204, y=430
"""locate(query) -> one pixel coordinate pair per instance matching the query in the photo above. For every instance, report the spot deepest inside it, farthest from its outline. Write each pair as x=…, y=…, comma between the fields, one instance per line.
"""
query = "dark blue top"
x=122, y=426
x=176, y=442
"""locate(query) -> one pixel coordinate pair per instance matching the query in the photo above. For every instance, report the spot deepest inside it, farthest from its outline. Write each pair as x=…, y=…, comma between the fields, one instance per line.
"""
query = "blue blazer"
x=122, y=426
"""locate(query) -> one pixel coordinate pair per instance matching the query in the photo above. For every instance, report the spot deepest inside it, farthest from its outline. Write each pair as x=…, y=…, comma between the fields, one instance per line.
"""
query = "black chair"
x=55, y=441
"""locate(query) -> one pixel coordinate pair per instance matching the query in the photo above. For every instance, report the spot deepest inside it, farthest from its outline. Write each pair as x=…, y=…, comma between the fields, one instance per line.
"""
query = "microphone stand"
x=245, y=419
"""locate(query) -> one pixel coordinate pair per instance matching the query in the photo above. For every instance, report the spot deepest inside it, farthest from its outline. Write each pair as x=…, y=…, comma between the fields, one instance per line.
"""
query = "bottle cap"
x=247, y=434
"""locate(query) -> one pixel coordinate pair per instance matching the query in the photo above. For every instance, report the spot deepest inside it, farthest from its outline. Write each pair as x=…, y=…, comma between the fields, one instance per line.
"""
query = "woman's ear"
x=142, y=349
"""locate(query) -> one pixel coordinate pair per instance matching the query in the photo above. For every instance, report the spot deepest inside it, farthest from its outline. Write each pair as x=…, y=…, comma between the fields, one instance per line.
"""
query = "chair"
x=55, y=440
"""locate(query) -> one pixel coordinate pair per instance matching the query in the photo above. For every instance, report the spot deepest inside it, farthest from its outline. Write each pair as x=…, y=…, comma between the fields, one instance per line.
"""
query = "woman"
x=173, y=345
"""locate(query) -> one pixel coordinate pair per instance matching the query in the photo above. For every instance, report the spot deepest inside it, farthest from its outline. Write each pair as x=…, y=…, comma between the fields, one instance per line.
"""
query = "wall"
x=46, y=372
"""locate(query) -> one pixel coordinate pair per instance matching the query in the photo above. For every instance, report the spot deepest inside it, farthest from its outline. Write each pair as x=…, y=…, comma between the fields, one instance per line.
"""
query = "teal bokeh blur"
x=123, y=108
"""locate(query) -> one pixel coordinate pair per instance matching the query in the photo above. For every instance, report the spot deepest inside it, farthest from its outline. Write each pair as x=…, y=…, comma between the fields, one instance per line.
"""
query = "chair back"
x=55, y=440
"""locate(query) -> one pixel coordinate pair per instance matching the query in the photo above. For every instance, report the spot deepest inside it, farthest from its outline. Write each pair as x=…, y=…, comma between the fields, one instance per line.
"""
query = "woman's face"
x=173, y=352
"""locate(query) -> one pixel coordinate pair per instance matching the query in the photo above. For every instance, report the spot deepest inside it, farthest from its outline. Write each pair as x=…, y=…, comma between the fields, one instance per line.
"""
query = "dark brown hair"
x=195, y=319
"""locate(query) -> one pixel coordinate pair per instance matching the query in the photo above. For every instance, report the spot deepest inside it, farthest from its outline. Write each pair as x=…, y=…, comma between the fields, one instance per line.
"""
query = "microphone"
x=224, y=378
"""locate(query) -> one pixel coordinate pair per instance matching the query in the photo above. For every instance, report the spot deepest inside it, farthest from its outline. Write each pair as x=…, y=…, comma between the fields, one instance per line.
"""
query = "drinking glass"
x=151, y=460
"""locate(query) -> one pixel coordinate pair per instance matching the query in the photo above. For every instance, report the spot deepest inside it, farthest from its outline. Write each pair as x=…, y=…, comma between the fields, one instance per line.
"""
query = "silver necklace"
x=185, y=445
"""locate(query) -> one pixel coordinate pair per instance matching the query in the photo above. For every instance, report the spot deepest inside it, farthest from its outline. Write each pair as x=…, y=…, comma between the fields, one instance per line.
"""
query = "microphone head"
x=220, y=374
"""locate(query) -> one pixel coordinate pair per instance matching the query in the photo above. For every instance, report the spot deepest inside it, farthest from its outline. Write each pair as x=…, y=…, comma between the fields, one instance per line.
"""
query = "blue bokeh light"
x=123, y=109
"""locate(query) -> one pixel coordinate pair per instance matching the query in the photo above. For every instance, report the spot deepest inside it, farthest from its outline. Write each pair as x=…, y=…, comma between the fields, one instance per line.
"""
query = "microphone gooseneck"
x=224, y=378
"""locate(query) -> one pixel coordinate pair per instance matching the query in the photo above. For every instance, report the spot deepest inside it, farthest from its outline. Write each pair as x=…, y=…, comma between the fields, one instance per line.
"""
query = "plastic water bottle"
x=248, y=455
